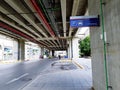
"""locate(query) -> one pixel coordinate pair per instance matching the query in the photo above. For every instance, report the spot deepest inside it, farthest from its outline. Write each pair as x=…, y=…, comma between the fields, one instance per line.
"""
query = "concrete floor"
x=62, y=76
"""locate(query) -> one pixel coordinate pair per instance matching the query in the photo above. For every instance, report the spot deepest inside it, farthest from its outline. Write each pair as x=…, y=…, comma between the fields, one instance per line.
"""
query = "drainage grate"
x=26, y=79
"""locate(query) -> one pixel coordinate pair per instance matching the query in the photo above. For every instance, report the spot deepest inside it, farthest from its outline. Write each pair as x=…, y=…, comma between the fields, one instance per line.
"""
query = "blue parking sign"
x=84, y=21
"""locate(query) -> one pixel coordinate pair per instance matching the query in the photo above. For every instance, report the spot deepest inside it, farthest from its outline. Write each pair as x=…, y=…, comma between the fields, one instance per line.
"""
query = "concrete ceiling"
x=45, y=22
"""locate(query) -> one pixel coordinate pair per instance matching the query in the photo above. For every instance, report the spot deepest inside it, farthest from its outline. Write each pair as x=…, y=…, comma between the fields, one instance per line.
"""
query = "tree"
x=84, y=47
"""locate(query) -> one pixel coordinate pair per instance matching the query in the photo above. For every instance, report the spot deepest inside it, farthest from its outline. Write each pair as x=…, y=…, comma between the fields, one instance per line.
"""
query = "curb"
x=80, y=66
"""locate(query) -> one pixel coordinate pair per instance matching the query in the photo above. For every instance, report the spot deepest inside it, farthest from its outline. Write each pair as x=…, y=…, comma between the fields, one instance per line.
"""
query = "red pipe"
x=42, y=17
x=13, y=30
x=19, y=33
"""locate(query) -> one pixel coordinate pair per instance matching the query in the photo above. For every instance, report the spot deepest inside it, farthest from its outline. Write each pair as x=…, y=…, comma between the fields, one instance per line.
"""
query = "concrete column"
x=15, y=50
x=42, y=51
x=53, y=53
x=75, y=48
x=67, y=52
x=21, y=50
x=70, y=52
x=112, y=28
x=97, y=52
x=50, y=52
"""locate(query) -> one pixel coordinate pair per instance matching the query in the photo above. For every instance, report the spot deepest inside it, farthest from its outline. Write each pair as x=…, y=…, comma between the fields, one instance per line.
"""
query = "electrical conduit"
x=42, y=5
x=42, y=17
x=103, y=29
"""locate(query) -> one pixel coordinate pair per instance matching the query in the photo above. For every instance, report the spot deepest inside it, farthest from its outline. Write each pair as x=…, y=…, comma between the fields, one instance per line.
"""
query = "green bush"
x=84, y=47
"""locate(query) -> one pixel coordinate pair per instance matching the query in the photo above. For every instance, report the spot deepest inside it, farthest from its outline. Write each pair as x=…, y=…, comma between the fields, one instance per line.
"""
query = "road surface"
x=16, y=76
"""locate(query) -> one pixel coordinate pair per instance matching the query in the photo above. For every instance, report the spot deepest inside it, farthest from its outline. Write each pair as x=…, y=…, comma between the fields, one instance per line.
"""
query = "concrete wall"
x=32, y=51
x=10, y=43
x=112, y=29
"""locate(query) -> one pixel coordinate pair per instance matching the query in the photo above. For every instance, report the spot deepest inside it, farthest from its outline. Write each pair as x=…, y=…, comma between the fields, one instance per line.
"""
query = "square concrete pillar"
x=75, y=48
x=70, y=52
x=21, y=50
x=111, y=14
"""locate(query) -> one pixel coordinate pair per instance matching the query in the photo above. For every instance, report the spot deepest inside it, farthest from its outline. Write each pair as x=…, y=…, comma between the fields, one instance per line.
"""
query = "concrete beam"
x=49, y=38
x=31, y=7
x=18, y=21
x=63, y=8
x=57, y=38
x=13, y=25
x=14, y=4
x=33, y=10
x=18, y=28
x=29, y=18
x=10, y=34
x=74, y=12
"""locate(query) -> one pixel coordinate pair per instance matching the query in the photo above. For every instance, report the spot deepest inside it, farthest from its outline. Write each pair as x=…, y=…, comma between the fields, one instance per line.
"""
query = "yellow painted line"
x=79, y=65
x=64, y=61
x=8, y=62
x=61, y=61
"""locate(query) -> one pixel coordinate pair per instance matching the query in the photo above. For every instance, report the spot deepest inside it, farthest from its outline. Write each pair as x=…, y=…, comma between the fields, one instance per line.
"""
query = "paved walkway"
x=63, y=76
